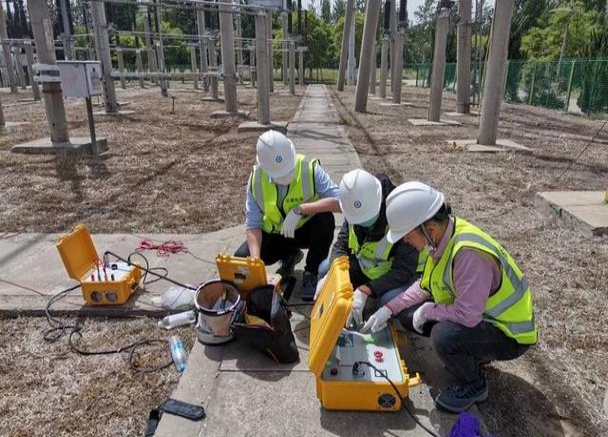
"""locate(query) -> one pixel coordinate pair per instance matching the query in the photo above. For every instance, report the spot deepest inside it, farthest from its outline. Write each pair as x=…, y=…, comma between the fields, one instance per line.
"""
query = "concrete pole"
x=348, y=18
x=194, y=65
x=261, y=46
x=53, y=97
x=394, y=36
x=68, y=50
x=140, y=67
x=463, y=86
x=372, y=81
x=29, y=53
x=284, y=48
x=227, y=46
x=213, y=64
x=252, y=72
x=398, y=66
x=292, y=68
x=200, y=24
x=19, y=66
x=372, y=11
x=352, y=61
x=6, y=50
x=160, y=54
x=102, y=45
x=301, y=66
x=121, y=68
x=495, y=73
x=239, y=46
x=441, y=40
x=152, y=64
x=2, y=122
x=270, y=53
x=383, y=66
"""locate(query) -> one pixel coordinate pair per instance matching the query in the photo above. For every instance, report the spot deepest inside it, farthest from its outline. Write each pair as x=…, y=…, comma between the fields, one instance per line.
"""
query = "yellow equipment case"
x=101, y=285
x=336, y=353
x=246, y=273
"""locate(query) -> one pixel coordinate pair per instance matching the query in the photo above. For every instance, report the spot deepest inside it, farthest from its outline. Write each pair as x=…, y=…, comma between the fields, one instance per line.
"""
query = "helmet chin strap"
x=427, y=236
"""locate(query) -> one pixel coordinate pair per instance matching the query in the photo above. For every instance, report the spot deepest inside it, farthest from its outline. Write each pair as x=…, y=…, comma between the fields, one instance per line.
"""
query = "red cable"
x=162, y=249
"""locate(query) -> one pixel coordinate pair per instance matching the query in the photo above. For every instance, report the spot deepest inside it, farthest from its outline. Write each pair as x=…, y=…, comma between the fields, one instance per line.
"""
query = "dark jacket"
x=405, y=257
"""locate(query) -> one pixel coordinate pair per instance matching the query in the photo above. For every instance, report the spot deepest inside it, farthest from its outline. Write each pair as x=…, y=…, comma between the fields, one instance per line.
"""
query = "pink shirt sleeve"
x=476, y=276
x=410, y=297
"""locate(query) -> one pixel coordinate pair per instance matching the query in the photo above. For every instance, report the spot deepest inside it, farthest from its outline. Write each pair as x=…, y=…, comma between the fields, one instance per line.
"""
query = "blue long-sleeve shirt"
x=254, y=215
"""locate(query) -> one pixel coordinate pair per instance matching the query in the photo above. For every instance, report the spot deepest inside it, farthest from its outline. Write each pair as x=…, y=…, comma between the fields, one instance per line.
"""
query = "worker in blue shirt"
x=290, y=204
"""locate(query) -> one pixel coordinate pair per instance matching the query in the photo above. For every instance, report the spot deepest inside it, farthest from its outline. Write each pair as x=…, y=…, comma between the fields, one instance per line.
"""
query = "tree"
x=339, y=10
x=326, y=10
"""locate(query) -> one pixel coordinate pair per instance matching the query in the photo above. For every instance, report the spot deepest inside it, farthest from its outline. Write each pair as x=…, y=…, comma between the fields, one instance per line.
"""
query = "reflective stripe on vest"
x=422, y=257
x=510, y=308
x=373, y=256
x=301, y=190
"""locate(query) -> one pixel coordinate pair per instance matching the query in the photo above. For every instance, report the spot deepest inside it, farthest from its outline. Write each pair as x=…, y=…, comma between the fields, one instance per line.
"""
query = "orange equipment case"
x=334, y=351
x=100, y=286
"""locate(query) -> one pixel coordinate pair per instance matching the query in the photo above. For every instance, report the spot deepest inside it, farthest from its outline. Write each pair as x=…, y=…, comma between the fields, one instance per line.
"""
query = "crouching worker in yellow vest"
x=290, y=204
x=378, y=268
x=472, y=300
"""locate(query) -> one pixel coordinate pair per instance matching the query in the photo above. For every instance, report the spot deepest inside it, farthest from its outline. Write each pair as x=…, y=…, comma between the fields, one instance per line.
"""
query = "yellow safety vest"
x=301, y=190
x=373, y=256
x=510, y=308
x=422, y=256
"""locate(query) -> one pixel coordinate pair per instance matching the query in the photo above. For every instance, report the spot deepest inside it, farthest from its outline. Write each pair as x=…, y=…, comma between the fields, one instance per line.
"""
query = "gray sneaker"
x=309, y=286
x=288, y=263
x=459, y=397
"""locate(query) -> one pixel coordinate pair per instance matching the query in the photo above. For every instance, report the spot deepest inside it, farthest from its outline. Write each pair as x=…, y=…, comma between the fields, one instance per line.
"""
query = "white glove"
x=320, y=285
x=419, y=318
x=377, y=321
x=356, y=315
x=290, y=223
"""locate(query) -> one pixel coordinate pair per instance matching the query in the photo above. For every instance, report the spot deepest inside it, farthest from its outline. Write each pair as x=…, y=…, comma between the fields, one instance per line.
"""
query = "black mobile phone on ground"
x=183, y=409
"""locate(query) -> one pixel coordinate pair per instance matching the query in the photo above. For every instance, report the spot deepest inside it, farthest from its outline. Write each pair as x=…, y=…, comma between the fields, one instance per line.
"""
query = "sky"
x=412, y=5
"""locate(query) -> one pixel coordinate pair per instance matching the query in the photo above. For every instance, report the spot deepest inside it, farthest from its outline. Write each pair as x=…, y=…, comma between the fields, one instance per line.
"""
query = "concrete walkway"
x=243, y=392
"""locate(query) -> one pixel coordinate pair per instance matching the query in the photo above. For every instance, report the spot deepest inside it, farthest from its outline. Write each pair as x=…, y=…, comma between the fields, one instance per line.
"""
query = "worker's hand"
x=419, y=317
x=377, y=321
x=356, y=315
x=320, y=285
x=290, y=223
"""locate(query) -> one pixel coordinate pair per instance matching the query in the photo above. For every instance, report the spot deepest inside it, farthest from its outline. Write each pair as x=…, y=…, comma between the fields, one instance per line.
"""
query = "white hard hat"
x=276, y=154
x=410, y=205
x=360, y=196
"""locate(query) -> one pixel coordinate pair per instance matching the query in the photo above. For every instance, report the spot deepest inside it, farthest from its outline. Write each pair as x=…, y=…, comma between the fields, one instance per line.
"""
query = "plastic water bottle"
x=179, y=319
x=178, y=353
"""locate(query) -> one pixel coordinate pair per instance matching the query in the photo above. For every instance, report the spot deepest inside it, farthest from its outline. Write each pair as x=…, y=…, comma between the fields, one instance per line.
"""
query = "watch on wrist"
x=297, y=210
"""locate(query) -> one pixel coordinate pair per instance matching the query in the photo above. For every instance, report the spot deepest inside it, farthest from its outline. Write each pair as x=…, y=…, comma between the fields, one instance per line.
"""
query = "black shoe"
x=309, y=286
x=289, y=263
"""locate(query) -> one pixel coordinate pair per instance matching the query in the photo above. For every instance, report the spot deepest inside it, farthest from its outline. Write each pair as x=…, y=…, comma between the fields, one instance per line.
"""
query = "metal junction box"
x=80, y=78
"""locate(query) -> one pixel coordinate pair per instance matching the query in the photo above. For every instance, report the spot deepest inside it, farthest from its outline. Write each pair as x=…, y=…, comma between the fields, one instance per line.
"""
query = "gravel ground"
x=557, y=388
x=165, y=172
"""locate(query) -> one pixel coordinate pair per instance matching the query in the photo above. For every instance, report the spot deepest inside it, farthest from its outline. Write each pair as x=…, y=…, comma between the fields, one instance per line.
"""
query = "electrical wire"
x=413, y=416
x=58, y=329
x=148, y=270
x=582, y=151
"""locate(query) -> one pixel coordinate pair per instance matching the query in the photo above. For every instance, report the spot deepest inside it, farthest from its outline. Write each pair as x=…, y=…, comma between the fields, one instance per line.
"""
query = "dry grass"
x=49, y=391
x=163, y=173
x=557, y=388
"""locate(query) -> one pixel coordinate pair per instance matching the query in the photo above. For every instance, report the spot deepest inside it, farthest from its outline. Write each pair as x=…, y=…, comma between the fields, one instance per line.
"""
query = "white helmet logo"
x=278, y=159
x=357, y=204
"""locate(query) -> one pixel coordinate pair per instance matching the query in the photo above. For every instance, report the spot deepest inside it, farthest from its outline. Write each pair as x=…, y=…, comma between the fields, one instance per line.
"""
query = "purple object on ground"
x=467, y=425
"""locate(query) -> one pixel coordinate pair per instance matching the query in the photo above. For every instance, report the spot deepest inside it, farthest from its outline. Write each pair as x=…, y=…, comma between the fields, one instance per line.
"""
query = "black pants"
x=316, y=236
x=464, y=350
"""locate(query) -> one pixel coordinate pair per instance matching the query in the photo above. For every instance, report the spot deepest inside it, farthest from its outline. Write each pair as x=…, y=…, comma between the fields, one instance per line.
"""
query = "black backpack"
x=275, y=339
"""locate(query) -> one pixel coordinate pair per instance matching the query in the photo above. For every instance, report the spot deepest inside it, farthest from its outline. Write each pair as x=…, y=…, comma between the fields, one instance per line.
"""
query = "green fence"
x=578, y=86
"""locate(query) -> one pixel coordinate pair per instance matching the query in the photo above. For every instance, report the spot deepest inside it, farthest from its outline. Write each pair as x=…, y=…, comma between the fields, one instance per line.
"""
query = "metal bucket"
x=215, y=303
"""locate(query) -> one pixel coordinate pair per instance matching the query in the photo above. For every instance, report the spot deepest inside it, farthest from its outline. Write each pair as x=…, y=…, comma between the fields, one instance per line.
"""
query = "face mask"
x=369, y=223
x=284, y=180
